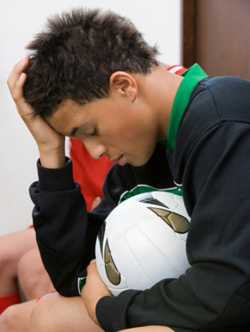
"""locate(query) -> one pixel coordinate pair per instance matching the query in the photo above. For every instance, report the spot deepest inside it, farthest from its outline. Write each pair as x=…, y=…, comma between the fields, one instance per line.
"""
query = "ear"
x=123, y=84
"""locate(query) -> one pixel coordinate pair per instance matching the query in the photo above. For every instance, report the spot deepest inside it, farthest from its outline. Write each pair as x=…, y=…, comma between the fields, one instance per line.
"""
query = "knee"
x=29, y=271
x=8, y=260
x=41, y=318
x=10, y=320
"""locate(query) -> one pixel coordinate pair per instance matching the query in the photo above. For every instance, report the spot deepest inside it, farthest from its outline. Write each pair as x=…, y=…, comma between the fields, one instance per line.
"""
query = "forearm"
x=52, y=157
x=65, y=235
x=204, y=303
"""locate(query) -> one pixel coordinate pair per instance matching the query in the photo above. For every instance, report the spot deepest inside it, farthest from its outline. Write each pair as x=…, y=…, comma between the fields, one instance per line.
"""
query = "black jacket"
x=65, y=232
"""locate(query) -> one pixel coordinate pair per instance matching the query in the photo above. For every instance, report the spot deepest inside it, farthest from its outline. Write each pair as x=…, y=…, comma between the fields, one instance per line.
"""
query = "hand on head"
x=50, y=143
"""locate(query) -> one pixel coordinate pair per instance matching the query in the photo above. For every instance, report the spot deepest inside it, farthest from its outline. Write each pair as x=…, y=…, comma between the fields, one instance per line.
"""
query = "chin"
x=137, y=164
x=140, y=162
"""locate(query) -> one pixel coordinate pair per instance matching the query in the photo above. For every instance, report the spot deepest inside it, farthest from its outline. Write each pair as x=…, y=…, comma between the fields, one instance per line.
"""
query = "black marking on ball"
x=153, y=201
x=177, y=222
x=100, y=236
x=112, y=272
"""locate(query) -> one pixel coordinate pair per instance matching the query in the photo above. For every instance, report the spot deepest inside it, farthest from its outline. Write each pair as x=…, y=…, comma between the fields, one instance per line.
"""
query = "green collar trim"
x=144, y=188
x=191, y=78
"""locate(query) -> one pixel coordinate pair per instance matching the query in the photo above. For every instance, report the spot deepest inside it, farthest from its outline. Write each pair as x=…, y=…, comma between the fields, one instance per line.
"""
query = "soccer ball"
x=142, y=241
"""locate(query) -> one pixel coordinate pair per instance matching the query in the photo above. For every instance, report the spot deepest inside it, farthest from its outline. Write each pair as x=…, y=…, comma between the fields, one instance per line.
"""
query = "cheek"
x=146, y=142
x=117, y=132
x=140, y=144
x=129, y=133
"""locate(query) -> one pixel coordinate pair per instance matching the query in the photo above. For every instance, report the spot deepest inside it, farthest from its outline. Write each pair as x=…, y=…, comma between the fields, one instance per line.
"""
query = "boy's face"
x=123, y=130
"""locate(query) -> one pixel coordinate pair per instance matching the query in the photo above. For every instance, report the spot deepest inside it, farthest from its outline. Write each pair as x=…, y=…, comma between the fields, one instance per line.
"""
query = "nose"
x=95, y=148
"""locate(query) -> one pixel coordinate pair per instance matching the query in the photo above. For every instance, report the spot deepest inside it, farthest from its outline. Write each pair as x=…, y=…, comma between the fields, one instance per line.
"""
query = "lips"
x=121, y=160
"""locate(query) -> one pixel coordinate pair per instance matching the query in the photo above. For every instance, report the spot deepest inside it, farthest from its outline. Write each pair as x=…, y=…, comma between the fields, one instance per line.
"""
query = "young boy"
x=92, y=76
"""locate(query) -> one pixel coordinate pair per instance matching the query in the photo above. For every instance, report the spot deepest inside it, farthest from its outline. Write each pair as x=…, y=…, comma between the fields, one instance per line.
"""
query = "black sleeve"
x=214, y=294
x=65, y=232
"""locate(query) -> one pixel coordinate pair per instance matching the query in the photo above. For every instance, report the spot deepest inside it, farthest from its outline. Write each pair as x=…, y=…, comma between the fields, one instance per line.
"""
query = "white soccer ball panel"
x=127, y=262
x=146, y=245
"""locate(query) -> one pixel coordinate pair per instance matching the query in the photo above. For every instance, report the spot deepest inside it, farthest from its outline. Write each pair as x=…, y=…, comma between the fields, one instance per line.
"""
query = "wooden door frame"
x=188, y=32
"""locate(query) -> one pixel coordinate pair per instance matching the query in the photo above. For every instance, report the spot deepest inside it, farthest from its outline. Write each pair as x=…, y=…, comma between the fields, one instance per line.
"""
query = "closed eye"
x=92, y=133
x=85, y=132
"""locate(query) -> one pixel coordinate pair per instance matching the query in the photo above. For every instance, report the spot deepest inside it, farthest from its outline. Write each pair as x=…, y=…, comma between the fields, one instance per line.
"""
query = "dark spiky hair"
x=75, y=57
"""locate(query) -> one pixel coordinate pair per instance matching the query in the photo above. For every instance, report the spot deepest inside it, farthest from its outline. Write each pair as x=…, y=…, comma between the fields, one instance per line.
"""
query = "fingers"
x=96, y=202
x=17, y=91
x=16, y=83
x=17, y=70
x=17, y=79
x=92, y=266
